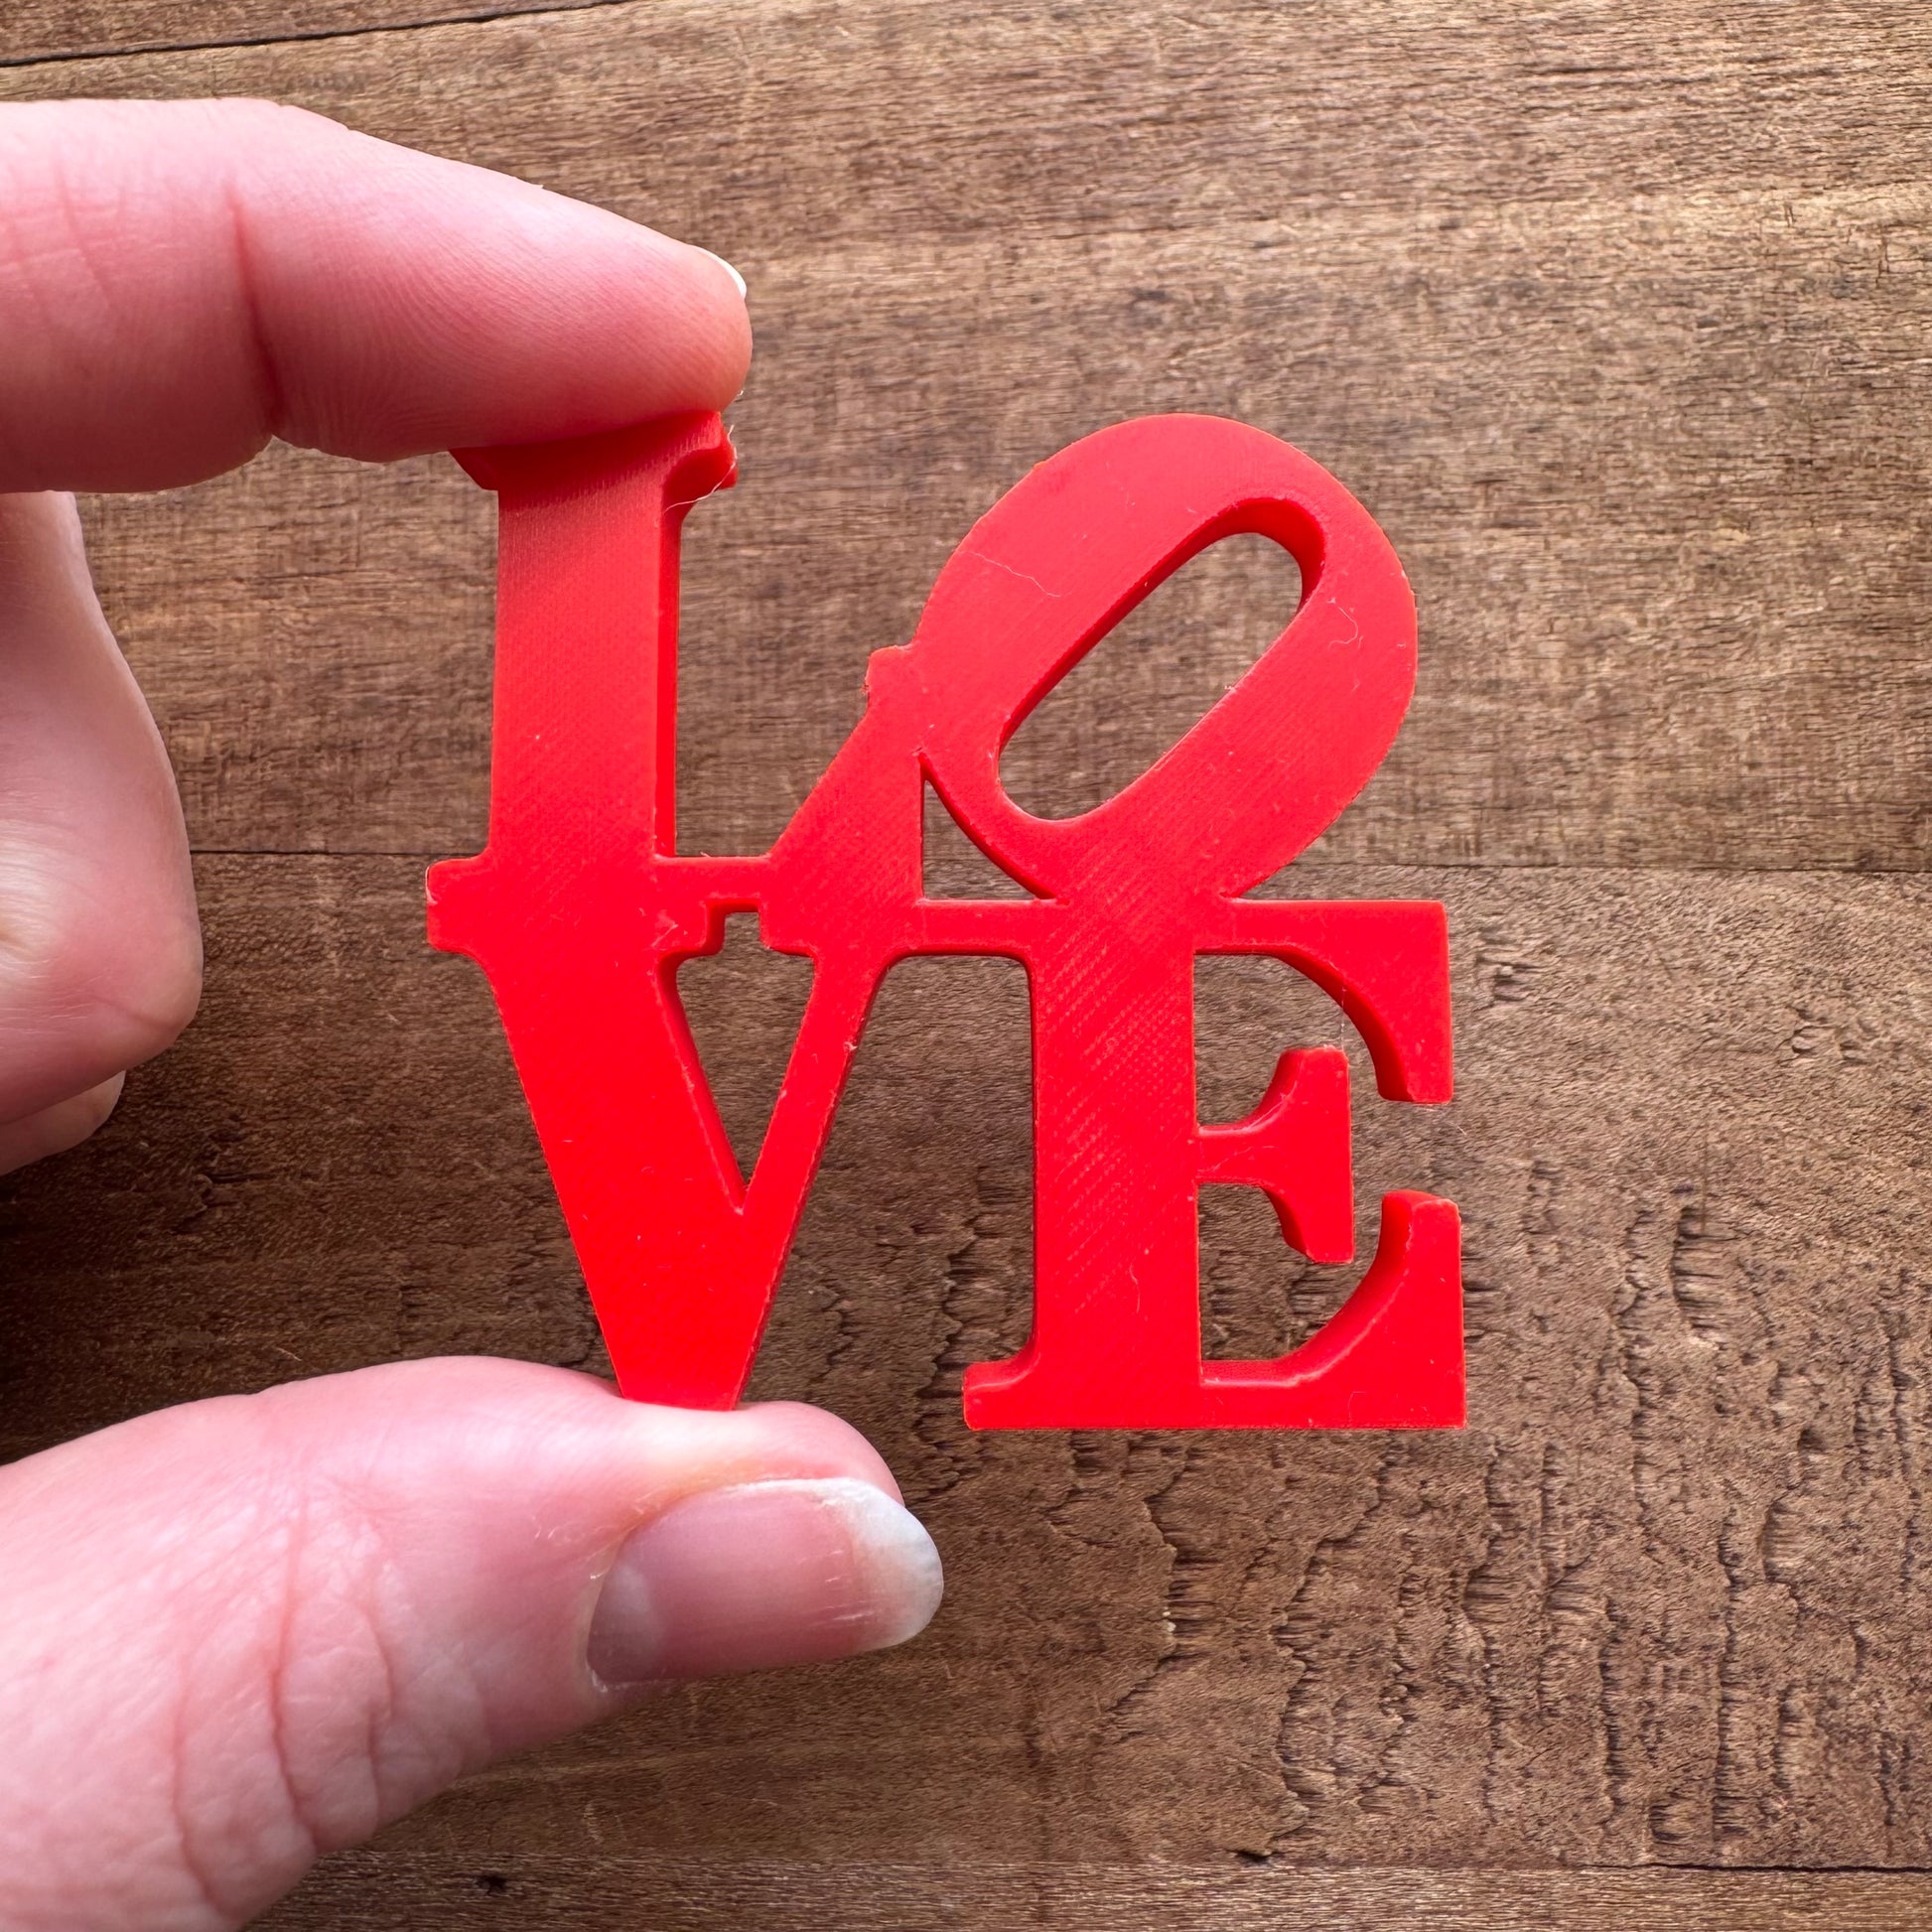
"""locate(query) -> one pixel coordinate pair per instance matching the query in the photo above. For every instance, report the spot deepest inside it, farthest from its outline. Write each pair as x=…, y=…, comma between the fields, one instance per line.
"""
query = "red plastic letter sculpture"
x=580, y=909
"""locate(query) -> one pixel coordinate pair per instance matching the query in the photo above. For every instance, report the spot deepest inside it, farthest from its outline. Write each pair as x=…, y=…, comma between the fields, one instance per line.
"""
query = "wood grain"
x=1616, y=316
x=679, y=1895
x=40, y=31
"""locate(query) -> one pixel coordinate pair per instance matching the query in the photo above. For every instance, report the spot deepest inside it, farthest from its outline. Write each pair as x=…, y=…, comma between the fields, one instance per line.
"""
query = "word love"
x=581, y=911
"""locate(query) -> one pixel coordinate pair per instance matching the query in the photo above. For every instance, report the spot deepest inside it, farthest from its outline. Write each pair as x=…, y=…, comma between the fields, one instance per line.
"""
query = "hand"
x=237, y=1634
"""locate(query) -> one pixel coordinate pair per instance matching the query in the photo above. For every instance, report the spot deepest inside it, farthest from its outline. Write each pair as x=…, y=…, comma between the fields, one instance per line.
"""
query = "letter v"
x=580, y=914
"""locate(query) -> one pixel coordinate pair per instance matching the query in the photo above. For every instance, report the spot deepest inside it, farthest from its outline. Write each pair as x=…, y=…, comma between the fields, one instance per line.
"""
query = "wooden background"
x=1615, y=313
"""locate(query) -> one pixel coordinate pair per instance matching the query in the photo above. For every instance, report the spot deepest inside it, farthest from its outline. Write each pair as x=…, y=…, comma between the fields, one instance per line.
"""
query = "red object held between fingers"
x=581, y=911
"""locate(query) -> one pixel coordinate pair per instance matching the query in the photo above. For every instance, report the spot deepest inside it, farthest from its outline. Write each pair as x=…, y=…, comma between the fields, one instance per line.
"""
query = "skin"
x=243, y=1632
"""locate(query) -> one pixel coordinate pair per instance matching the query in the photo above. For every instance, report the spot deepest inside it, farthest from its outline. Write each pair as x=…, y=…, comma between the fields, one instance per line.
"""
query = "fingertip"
x=101, y=945
x=469, y=308
x=59, y=1128
x=217, y=272
x=387, y=1578
x=763, y=1574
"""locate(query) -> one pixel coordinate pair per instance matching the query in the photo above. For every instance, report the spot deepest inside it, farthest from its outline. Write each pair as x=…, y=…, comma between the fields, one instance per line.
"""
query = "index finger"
x=182, y=281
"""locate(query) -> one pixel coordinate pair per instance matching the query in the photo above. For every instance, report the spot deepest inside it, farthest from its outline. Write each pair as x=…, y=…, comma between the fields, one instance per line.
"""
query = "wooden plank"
x=65, y=30
x=1664, y=1601
x=377, y=1893
x=1616, y=316
x=1617, y=320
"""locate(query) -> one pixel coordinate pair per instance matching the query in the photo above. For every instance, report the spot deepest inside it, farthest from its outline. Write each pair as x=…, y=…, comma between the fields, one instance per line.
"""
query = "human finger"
x=100, y=956
x=181, y=280
x=246, y=1632
x=55, y=1129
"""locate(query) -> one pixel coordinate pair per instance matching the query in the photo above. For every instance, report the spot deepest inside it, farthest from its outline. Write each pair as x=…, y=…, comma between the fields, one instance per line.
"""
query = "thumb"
x=244, y=1632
